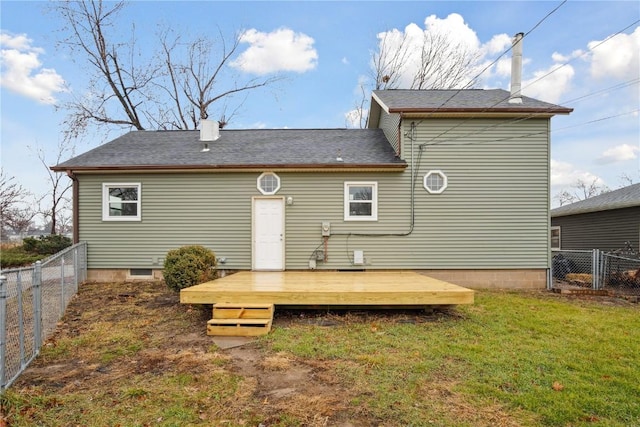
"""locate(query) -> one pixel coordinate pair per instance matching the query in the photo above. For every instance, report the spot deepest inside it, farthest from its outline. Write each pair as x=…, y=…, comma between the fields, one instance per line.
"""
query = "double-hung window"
x=121, y=202
x=360, y=201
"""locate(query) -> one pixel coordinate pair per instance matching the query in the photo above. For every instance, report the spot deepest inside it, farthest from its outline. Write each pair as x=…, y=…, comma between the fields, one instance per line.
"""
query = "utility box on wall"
x=326, y=228
x=358, y=257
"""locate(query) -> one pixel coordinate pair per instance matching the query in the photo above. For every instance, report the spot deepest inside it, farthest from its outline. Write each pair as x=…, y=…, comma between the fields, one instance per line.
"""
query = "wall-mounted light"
x=289, y=200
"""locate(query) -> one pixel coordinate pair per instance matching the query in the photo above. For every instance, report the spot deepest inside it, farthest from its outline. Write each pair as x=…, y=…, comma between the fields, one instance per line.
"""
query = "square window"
x=360, y=201
x=121, y=202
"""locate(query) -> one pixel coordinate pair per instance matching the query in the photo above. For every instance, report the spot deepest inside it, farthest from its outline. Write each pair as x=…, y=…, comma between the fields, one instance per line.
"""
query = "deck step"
x=242, y=311
x=239, y=327
x=240, y=320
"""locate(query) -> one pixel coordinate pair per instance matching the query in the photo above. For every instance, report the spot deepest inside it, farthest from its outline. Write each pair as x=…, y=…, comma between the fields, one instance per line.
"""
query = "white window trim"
x=556, y=227
x=105, y=201
x=267, y=193
x=374, y=200
x=442, y=175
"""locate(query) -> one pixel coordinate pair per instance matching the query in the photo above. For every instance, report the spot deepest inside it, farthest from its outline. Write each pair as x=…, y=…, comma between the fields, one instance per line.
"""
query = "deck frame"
x=314, y=288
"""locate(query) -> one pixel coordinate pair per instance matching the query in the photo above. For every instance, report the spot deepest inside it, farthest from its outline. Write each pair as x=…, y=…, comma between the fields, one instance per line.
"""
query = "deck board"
x=327, y=288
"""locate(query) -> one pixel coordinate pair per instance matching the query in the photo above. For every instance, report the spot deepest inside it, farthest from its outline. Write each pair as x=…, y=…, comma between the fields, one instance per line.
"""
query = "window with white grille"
x=435, y=182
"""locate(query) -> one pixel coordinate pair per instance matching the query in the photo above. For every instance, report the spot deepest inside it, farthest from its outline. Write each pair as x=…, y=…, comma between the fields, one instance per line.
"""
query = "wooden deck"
x=312, y=288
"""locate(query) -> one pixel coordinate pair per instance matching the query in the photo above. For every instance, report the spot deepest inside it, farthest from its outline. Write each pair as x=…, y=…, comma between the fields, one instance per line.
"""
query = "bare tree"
x=201, y=80
x=12, y=196
x=402, y=61
x=54, y=204
x=174, y=89
x=434, y=62
x=117, y=84
x=387, y=64
x=357, y=118
x=625, y=179
x=581, y=190
x=21, y=219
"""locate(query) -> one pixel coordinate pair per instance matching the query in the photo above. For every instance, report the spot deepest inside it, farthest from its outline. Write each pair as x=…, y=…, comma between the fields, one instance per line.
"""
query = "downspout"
x=74, y=209
x=414, y=175
x=399, y=136
x=411, y=193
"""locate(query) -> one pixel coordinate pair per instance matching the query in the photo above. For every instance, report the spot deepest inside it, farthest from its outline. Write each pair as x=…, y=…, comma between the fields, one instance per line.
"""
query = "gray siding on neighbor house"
x=493, y=215
x=606, y=230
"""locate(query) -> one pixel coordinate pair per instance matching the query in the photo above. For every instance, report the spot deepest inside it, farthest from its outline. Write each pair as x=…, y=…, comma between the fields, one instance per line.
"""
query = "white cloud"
x=345, y=61
x=455, y=27
x=617, y=57
x=453, y=37
x=257, y=125
x=549, y=85
x=565, y=174
x=619, y=153
x=354, y=118
x=498, y=44
x=558, y=57
x=279, y=50
x=22, y=72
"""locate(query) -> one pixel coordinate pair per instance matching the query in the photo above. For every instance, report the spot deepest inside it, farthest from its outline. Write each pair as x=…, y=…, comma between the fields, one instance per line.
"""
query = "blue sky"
x=328, y=46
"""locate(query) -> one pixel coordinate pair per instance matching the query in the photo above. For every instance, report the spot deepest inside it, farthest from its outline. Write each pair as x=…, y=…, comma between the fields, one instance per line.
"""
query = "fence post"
x=37, y=306
x=595, y=269
x=3, y=328
x=85, y=262
x=75, y=270
x=20, y=315
x=61, y=285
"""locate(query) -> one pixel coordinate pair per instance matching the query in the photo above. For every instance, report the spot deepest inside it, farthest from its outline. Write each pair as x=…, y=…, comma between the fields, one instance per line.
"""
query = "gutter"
x=330, y=167
x=513, y=110
x=75, y=204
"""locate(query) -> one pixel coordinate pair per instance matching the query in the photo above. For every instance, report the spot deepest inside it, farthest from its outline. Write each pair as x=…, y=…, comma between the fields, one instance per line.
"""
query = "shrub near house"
x=189, y=266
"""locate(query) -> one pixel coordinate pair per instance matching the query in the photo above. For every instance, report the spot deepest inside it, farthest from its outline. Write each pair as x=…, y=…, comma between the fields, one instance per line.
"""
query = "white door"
x=268, y=234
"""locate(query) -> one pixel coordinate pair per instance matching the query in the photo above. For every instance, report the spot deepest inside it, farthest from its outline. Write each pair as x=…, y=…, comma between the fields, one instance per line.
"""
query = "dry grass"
x=130, y=354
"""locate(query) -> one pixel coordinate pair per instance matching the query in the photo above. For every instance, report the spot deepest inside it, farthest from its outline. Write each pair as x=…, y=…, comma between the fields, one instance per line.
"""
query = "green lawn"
x=544, y=360
x=510, y=359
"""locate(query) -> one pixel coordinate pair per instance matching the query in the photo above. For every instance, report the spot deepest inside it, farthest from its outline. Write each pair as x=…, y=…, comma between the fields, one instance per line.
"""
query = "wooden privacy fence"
x=32, y=300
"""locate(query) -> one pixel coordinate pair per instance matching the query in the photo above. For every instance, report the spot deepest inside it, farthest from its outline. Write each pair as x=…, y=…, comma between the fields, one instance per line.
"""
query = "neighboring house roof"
x=625, y=197
x=447, y=101
x=242, y=149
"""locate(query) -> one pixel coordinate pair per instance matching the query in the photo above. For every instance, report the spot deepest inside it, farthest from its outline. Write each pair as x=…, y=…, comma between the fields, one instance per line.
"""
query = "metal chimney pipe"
x=516, y=70
x=209, y=130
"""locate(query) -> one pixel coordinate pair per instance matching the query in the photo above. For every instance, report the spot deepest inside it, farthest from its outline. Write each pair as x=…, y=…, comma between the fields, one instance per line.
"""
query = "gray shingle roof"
x=625, y=197
x=406, y=100
x=285, y=148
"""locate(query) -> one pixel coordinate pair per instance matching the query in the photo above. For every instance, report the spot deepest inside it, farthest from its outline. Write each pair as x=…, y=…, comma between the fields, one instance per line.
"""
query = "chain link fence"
x=595, y=270
x=621, y=274
x=32, y=300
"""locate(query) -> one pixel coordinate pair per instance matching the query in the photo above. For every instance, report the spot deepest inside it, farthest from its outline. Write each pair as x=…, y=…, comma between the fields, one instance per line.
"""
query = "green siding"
x=493, y=215
x=494, y=212
x=389, y=125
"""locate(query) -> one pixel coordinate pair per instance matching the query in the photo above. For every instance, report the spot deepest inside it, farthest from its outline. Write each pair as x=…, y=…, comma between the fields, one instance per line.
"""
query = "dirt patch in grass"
x=131, y=343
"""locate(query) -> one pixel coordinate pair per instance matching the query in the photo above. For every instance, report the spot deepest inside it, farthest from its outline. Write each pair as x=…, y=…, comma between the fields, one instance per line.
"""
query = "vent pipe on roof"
x=209, y=130
x=516, y=70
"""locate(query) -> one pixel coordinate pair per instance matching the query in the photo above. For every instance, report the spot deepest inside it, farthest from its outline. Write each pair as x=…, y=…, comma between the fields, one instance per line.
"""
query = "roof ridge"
x=624, y=197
